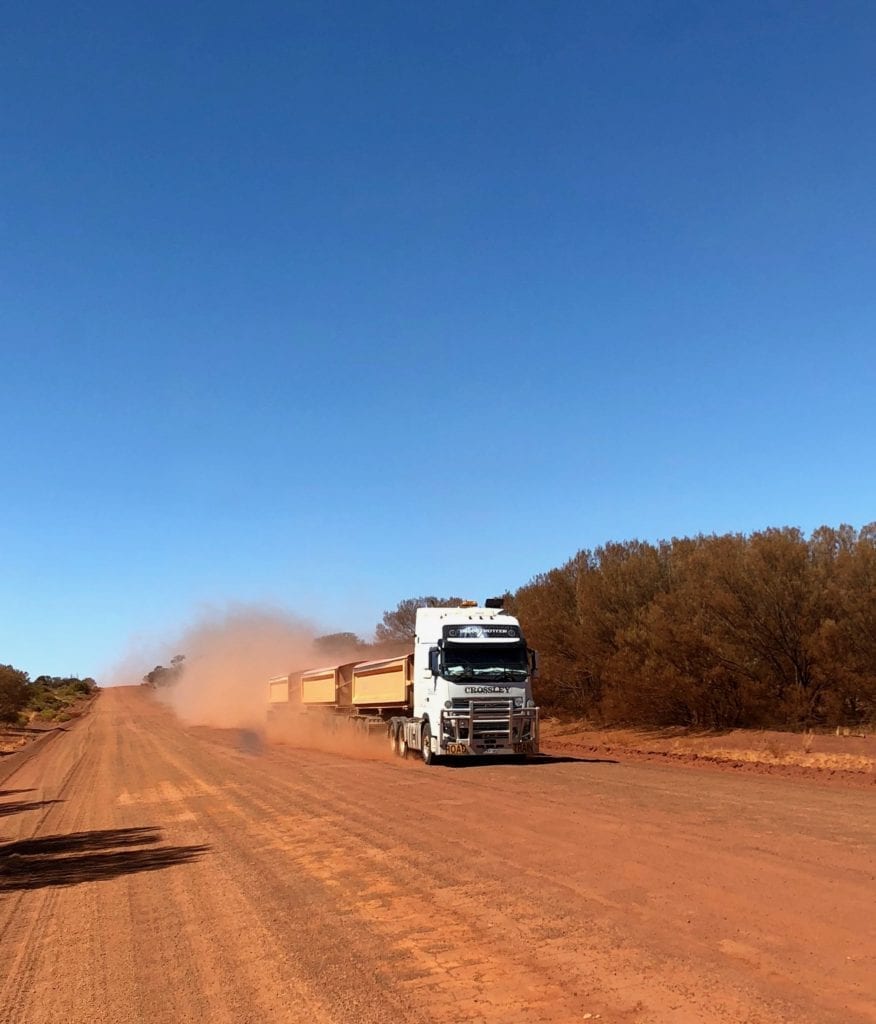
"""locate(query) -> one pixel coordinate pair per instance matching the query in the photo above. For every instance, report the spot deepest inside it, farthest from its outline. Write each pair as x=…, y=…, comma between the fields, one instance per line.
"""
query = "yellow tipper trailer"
x=319, y=686
x=278, y=690
x=327, y=686
x=383, y=683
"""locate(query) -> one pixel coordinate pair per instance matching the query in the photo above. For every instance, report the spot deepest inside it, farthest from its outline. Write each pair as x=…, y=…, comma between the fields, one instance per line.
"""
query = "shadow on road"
x=87, y=857
x=19, y=806
x=530, y=762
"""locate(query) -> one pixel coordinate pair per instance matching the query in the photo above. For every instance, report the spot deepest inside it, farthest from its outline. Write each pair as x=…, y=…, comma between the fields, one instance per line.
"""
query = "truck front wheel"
x=426, y=745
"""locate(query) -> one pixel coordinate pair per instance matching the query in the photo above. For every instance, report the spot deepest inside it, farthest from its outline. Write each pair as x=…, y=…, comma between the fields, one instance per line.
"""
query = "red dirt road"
x=158, y=874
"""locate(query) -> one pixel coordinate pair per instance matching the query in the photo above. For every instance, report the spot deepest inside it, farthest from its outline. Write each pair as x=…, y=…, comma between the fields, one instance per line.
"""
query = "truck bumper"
x=488, y=728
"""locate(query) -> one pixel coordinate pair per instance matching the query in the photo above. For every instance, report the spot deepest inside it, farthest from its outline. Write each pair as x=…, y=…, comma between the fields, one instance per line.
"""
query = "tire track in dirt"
x=26, y=934
x=316, y=855
x=242, y=916
x=332, y=889
x=747, y=955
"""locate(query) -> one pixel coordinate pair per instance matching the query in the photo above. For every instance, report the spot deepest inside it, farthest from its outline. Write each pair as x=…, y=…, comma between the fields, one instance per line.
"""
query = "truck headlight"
x=530, y=703
x=518, y=702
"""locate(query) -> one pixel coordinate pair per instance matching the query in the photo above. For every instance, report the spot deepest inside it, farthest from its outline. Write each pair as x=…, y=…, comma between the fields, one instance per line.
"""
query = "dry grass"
x=798, y=758
x=11, y=741
x=809, y=750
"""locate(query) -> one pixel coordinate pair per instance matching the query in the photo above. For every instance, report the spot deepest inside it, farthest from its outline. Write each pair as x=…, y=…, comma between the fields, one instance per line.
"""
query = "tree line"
x=771, y=629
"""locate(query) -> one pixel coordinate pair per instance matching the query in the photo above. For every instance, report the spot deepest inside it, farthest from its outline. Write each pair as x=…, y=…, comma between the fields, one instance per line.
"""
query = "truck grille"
x=491, y=723
x=483, y=707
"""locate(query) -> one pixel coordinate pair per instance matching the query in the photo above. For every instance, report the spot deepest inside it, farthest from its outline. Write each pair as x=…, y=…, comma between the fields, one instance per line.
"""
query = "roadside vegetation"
x=45, y=699
x=771, y=630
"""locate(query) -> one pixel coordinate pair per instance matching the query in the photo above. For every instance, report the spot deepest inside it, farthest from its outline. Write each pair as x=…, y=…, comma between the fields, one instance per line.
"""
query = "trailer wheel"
x=402, y=743
x=393, y=740
x=426, y=745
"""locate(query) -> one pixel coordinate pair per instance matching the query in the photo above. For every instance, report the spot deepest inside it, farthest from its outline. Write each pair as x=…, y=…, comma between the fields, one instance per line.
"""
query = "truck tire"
x=426, y=745
x=393, y=740
x=402, y=743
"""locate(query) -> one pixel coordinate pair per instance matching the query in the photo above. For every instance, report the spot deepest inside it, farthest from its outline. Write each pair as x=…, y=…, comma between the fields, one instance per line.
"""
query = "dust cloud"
x=230, y=656
x=323, y=731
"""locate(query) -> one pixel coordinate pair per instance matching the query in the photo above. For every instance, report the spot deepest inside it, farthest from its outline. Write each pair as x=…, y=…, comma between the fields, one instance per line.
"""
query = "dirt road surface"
x=154, y=873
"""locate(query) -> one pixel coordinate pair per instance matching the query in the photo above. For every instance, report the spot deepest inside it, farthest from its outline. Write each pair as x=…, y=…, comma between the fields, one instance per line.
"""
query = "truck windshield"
x=505, y=662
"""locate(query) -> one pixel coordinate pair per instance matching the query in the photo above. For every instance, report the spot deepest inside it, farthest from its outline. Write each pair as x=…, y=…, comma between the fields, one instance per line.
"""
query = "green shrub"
x=13, y=692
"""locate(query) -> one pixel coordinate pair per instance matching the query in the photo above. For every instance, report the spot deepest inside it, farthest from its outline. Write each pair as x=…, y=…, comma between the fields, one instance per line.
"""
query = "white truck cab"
x=472, y=686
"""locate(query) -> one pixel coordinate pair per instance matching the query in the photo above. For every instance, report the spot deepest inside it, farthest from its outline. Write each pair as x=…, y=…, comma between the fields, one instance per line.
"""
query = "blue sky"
x=323, y=305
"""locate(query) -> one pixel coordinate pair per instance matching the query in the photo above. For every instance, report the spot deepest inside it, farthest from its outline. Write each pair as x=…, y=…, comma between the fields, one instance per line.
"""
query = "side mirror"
x=533, y=662
x=434, y=661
